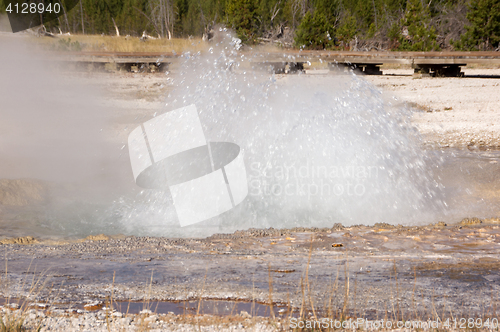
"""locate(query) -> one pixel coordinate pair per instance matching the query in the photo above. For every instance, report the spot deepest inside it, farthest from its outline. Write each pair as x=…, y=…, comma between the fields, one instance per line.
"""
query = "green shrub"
x=242, y=17
x=483, y=32
x=421, y=35
x=313, y=32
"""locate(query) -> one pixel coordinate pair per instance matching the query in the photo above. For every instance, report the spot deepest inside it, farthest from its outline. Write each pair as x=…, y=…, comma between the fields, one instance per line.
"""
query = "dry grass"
x=340, y=304
x=15, y=320
x=119, y=44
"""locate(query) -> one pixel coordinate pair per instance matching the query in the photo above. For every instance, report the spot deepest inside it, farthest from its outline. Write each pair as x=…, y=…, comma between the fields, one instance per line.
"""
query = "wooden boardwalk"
x=425, y=63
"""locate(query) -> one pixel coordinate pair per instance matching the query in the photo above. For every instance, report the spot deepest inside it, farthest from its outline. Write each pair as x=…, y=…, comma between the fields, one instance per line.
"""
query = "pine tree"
x=130, y=20
x=241, y=15
x=483, y=33
x=270, y=13
x=314, y=32
x=329, y=8
x=347, y=29
x=420, y=35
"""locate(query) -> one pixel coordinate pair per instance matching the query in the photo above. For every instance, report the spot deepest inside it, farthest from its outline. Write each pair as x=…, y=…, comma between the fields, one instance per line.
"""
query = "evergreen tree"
x=346, y=30
x=391, y=13
x=241, y=16
x=192, y=24
x=390, y=24
x=484, y=30
x=211, y=12
x=418, y=34
x=314, y=32
x=270, y=14
x=366, y=10
x=181, y=7
x=130, y=20
x=329, y=8
x=292, y=13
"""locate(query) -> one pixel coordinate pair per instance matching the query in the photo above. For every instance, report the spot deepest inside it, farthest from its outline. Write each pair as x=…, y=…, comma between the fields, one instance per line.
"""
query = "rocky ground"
x=369, y=272
x=111, y=320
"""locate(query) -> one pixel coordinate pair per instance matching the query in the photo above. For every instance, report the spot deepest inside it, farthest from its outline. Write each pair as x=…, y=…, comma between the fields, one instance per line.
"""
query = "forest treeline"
x=414, y=25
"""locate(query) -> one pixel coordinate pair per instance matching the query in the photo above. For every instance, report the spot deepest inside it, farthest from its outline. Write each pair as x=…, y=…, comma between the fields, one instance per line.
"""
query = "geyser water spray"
x=317, y=149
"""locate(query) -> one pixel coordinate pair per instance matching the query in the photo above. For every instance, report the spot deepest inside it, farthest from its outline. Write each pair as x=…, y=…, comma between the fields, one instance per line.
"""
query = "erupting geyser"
x=316, y=149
